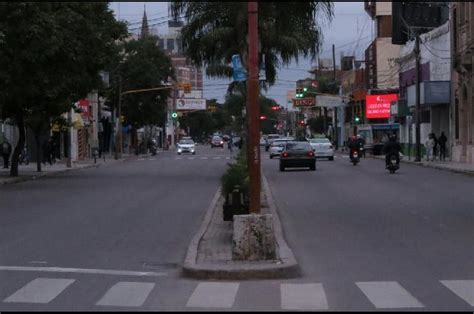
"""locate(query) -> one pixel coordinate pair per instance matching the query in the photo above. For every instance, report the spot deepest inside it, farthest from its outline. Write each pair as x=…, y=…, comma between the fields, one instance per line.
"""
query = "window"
x=170, y=44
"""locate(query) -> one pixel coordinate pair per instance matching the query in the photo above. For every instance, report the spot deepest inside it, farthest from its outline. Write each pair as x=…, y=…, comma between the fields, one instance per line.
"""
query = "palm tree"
x=217, y=30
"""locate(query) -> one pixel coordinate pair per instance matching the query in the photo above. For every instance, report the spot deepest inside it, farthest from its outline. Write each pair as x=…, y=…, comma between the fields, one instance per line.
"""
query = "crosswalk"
x=186, y=158
x=224, y=295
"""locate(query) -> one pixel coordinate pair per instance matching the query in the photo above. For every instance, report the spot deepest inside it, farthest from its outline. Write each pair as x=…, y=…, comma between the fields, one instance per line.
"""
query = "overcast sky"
x=350, y=31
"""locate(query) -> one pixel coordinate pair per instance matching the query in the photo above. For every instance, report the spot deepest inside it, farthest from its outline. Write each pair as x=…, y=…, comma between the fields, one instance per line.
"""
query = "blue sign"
x=239, y=73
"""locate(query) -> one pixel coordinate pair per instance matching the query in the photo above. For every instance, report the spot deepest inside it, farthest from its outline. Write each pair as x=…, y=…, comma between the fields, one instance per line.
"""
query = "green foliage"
x=317, y=125
x=144, y=66
x=236, y=174
x=328, y=86
x=217, y=30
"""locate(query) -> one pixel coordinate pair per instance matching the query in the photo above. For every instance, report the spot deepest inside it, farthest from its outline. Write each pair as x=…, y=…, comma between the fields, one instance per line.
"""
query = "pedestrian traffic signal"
x=174, y=115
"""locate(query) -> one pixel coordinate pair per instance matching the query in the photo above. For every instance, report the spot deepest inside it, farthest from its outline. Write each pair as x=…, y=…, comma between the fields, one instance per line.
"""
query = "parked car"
x=277, y=146
x=269, y=140
x=217, y=141
x=297, y=154
x=322, y=148
x=186, y=146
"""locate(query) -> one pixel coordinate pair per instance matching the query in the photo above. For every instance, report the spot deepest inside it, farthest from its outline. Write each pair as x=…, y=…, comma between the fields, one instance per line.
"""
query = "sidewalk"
x=209, y=255
x=457, y=167
x=29, y=172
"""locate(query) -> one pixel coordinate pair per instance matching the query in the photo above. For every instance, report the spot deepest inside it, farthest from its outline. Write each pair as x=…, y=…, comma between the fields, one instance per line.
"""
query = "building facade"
x=462, y=114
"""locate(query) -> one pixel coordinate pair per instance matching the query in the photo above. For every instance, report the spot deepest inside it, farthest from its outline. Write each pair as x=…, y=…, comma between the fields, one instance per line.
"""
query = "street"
x=113, y=238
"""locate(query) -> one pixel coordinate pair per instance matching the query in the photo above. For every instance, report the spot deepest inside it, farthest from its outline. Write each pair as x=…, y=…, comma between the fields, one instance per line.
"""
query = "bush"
x=236, y=174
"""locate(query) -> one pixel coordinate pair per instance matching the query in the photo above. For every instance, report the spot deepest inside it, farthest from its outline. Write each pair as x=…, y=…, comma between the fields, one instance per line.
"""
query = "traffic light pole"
x=118, y=142
x=418, y=109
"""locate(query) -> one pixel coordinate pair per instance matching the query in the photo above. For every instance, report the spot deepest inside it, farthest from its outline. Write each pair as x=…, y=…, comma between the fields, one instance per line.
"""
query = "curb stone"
x=286, y=268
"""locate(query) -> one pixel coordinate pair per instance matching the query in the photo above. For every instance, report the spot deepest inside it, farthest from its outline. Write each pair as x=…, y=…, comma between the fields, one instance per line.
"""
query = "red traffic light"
x=275, y=107
x=302, y=122
x=263, y=117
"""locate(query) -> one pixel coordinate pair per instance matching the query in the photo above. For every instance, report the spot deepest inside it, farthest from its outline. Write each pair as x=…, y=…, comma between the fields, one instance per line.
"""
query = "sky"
x=351, y=31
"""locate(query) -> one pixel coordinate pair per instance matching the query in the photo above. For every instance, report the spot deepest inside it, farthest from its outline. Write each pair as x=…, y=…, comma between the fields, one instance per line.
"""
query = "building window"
x=170, y=44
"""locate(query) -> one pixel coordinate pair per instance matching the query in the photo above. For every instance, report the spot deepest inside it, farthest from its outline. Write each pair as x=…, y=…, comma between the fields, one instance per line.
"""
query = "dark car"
x=217, y=141
x=297, y=154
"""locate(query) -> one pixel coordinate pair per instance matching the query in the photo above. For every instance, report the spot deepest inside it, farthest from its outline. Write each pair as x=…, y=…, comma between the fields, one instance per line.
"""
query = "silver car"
x=277, y=146
x=322, y=148
x=186, y=146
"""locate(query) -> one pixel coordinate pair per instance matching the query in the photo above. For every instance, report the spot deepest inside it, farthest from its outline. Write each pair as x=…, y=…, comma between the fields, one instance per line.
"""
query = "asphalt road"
x=113, y=238
x=348, y=224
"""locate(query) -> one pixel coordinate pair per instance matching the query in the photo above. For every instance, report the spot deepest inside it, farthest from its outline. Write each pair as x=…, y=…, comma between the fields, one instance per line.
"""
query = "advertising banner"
x=191, y=104
x=378, y=106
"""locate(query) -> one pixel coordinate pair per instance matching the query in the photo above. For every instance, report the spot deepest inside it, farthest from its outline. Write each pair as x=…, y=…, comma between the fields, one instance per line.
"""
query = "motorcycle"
x=354, y=157
x=153, y=147
x=393, y=163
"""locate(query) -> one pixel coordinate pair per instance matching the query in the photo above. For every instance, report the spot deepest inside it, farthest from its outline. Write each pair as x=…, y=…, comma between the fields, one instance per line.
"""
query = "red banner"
x=84, y=105
x=378, y=106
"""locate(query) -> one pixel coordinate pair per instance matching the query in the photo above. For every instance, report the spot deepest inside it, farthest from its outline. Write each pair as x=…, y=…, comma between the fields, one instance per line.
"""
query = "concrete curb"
x=288, y=268
x=52, y=173
x=423, y=164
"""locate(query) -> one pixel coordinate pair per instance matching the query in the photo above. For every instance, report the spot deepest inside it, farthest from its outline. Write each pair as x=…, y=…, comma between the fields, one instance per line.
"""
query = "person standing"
x=429, y=145
x=6, y=152
x=435, y=147
x=442, y=146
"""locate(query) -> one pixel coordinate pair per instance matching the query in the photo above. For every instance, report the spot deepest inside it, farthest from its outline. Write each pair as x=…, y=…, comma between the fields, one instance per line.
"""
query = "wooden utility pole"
x=253, y=110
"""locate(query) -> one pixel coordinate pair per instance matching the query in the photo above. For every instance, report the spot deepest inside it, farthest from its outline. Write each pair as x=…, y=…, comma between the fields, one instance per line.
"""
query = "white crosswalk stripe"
x=462, y=288
x=213, y=295
x=304, y=297
x=388, y=295
x=130, y=294
x=40, y=290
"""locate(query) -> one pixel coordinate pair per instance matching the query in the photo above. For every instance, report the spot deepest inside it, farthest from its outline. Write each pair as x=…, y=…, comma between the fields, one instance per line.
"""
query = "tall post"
x=118, y=145
x=253, y=109
x=336, y=135
x=417, y=91
x=69, y=123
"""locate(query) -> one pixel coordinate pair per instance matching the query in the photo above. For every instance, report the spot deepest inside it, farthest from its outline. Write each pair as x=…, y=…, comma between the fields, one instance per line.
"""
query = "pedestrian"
x=429, y=145
x=47, y=152
x=6, y=152
x=230, y=143
x=442, y=146
x=435, y=147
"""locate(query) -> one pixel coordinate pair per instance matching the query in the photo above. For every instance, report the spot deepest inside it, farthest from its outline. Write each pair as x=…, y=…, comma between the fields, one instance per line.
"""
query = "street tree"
x=144, y=66
x=51, y=54
x=217, y=30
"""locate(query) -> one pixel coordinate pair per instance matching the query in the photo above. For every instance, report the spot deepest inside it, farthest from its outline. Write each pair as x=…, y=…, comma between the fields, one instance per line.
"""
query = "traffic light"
x=356, y=119
x=305, y=89
x=299, y=93
x=263, y=117
x=174, y=115
x=302, y=122
x=276, y=107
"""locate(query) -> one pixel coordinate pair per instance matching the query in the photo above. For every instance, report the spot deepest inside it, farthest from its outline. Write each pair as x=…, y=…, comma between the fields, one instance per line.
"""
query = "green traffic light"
x=174, y=115
x=305, y=89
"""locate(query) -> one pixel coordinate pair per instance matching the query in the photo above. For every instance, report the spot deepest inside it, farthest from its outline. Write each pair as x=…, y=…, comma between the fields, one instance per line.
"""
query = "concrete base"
x=253, y=238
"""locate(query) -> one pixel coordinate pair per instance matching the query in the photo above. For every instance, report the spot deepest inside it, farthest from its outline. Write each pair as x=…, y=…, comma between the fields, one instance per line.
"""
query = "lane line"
x=83, y=271
x=40, y=290
x=462, y=288
x=132, y=294
x=388, y=295
x=213, y=295
x=304, y=297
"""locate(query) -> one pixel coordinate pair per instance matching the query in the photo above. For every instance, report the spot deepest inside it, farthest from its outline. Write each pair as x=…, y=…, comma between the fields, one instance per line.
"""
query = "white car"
x=277, y=146
x=322, y=148
x=186, y=146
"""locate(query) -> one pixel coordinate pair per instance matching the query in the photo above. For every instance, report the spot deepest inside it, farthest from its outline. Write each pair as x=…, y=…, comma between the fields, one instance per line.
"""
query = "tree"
x=50, y=57
x=144, y=66
x=217, y=30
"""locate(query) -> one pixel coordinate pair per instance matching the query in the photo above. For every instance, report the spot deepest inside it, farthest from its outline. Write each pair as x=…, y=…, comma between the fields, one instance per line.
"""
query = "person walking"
x=429, y=145
x=435, y=147
x=442, y=146
x=47, y=152
x=6, y=152
x=230, y=143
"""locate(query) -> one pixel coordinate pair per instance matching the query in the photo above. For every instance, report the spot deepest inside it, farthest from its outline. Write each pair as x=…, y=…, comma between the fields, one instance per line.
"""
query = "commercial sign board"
x=378, y=106
x=431, y=93
x=239, y=74
x=329, y=101
x=84, y=105
x=190, y=104
x=193, y=94
x=304, y=102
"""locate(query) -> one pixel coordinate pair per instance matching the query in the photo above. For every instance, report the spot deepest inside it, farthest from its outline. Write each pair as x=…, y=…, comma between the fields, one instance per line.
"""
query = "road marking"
x=131, y=294
x=213, y=295
x=191, y=158
x=227, y=158
x=388, y=295
x=82, y=271
x=140, y=159
x=152, y=159
x=303, y=297
x=216, y=158
x=462, y=288
x=204, y=158
x=178, y=158
x=40, y=290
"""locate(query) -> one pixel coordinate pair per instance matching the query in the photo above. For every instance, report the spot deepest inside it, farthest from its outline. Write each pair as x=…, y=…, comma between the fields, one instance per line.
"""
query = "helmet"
x=358, y=136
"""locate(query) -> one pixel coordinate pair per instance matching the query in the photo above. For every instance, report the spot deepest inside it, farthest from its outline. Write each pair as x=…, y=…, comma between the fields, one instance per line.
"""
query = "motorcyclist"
x=360, y=143
x=392, y=147
x=353, y=144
